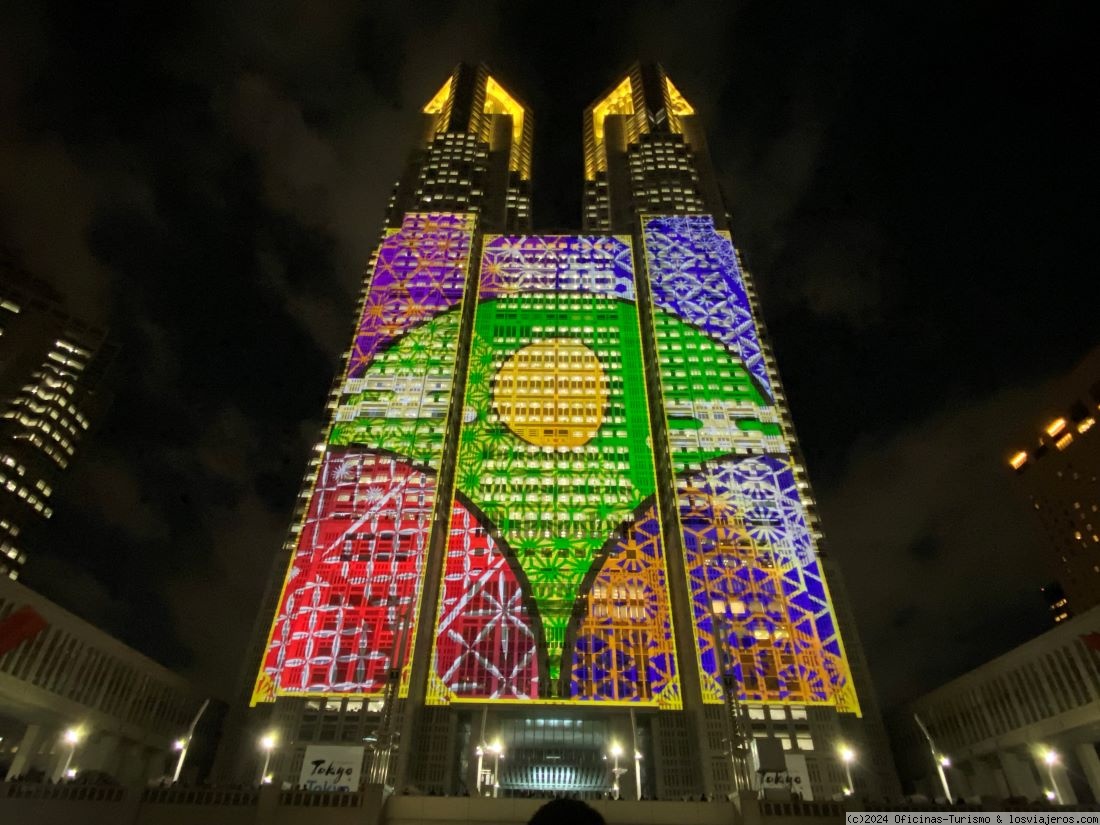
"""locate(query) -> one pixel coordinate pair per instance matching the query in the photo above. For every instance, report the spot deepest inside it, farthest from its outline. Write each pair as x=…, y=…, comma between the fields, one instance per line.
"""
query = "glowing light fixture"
x=1019, y=460
x=1056, y=426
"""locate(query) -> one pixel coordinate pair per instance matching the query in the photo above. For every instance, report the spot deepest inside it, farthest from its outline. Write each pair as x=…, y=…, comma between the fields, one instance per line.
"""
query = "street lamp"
x=496, y=749
x=940, y=760
x=184, y=742
x=848, y=756
x=72, y=738
x=943, y=762
x=1050, y=757
x=638, y=773
x=267, y=744
x=616, y=771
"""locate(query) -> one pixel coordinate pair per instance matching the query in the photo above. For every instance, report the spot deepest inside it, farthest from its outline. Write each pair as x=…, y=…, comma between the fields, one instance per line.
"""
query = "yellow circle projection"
x=552, y=393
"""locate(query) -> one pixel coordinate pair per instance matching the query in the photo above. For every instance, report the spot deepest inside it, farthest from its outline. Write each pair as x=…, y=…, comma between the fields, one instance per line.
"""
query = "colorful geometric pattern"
x=556, y=263
x=554, y=477
x=756, y=582
x=354, y=581
x=486, y=647
x=751, y=565
x=712, y=405
x=694, y=274
x=394, y=399
x=420, y=271
x=623, y=648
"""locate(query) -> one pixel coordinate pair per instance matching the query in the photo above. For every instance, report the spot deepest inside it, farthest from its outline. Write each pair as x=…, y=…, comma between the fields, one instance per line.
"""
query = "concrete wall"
x=80, y=805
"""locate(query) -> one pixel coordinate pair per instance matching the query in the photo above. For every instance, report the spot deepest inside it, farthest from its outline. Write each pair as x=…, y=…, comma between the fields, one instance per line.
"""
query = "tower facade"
x=49, y=371
x=1060, y=478
x=558, y=512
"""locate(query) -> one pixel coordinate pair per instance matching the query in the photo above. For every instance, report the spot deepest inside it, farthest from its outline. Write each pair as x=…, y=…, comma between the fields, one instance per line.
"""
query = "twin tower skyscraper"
x=558, y=513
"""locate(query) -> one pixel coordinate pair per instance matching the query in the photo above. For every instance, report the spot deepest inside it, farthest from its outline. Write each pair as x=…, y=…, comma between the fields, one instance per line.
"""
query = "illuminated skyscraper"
x=1059, y=477
x=48, y=379
x=558, y=510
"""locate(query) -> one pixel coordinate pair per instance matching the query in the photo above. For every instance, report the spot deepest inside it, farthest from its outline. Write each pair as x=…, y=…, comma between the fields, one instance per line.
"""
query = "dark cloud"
x=908, y=186
x=929, y=512
x=926, y=548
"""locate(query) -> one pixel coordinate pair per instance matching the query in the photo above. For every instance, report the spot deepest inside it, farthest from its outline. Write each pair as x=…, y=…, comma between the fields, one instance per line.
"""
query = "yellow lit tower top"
x=644, y=152
x=475, y=154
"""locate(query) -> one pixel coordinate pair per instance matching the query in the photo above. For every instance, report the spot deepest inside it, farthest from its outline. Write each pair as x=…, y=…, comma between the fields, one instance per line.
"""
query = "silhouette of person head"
x=566, y=812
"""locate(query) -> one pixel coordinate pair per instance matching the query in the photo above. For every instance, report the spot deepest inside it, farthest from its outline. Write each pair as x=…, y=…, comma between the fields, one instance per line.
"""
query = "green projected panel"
x=555, y=463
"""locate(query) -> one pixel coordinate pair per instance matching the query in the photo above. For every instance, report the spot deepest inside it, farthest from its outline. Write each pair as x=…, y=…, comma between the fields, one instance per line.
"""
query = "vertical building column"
x=1021, y=780
x=982, y=780
x=28, y=748
x=1090, y=767
x=683, y=622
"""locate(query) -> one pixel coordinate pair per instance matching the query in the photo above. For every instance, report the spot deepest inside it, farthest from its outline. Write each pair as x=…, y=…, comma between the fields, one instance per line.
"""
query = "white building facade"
x=1026, y=724
x=73, y=698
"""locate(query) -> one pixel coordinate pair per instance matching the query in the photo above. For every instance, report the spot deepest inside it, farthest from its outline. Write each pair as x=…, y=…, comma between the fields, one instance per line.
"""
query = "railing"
x=235, y=797
x=800, y=808
x=321, y=799
x=66, y=792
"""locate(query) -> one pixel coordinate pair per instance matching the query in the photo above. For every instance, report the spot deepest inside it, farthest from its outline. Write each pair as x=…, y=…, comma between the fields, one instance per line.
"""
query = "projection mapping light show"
x=350, y=605
x=761, y=607
x=554, y=455
x=554, y=585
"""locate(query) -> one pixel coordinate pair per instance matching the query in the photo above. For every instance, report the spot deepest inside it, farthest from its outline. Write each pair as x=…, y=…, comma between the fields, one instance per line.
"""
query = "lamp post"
x=943, y=762
x=616, y=771
x=72, y=739
x=847, y=756
x=496, y=749
x=267, y=744
x=940, y=759
x=184, y=743
x=1050, y=757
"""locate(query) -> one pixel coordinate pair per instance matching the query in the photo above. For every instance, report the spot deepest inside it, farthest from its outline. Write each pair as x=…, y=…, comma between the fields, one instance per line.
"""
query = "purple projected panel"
x=752, y=567
x=694, y=274
x=513, y=264
x=419, y=272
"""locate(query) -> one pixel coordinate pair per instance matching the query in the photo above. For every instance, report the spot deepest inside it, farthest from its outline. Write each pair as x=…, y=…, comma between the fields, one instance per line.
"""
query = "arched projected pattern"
x=622, y=646
x=351, y=600
x=487, y=640
x=346, y=613
x=554, y=450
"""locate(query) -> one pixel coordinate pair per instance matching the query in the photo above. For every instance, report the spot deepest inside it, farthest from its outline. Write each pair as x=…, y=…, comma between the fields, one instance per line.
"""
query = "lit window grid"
x=419, y=275
x=400, y=404
x=547, y=265
x=354, y=585
x=752, y=567
x=420, y=271
x=694, y=274
x=712, y=405
x=554, y=506
x=747, y=515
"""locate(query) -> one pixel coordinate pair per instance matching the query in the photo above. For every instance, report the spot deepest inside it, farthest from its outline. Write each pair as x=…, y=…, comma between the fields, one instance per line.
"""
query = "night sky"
x=912, y=187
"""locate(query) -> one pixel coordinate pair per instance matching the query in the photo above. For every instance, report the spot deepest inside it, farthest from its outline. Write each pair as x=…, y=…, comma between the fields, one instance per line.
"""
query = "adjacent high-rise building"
x=48, y=379
x=1059, y=476
x=557, y=535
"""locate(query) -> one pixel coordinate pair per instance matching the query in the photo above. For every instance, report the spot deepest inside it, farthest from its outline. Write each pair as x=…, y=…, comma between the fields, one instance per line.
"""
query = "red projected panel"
x=486, y=647
x=355, y=579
